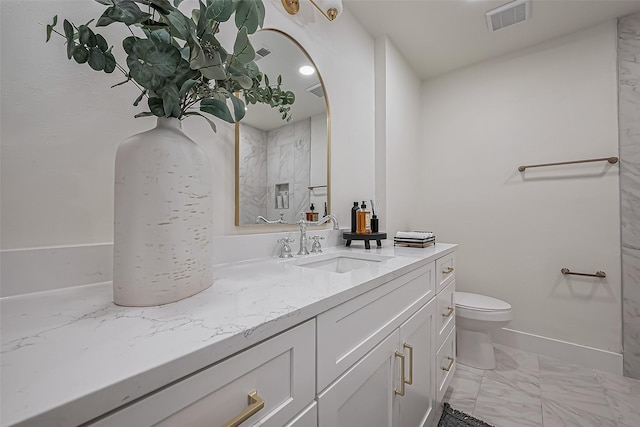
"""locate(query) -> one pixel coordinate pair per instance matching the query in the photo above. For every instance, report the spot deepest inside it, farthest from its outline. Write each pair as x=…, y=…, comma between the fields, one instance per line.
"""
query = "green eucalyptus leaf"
x=144, y=114
x=216, y=108
x=71, y=45
x=68, y=30
x=186, y=87
x=239, y=109
x=125, y=11
x=51, y=26
x=170, y=100
x=244, y=81
x=289, y=97
x=242, y=49
x=109, y=62
x=151, y=63
x=199, y=16
x=80, y=54
x=128, y=44
x=160, y=36
x=96, y=58
x=101, y=43
x=252, y=70
x=219, y=10
x=155, y=105
x=247, y=15
x=181, y=26
x=185, y=52
x=184, y=73
x=86, y=36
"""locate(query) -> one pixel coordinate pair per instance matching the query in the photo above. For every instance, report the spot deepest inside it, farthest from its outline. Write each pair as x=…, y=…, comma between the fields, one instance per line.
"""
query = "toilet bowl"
x=476, y=316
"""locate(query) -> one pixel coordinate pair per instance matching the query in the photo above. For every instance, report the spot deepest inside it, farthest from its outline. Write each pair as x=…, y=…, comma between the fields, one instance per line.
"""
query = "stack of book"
x=414, y=239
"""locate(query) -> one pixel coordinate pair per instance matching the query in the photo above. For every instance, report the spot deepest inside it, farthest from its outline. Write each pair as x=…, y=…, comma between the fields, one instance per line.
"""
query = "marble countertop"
x=71, y=354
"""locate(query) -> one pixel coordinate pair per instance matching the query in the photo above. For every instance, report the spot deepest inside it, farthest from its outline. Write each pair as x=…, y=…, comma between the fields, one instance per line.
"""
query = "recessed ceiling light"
x=306, y=70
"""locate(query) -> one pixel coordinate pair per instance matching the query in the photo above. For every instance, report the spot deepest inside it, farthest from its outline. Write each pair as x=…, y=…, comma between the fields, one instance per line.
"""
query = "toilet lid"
x=480, y=302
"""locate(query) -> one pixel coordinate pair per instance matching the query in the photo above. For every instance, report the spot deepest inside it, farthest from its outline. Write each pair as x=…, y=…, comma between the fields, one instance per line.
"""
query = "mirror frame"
x=270, y=227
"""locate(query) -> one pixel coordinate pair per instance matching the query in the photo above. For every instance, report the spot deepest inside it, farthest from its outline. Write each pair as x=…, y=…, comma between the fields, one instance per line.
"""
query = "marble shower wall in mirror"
x=283, y=167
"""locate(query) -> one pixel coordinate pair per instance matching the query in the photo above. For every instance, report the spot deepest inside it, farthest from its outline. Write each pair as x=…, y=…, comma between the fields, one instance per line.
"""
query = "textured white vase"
x=163, y=217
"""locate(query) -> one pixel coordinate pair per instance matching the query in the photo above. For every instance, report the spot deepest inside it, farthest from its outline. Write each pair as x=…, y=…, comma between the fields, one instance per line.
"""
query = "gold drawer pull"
x=255, y=404
x=410, y=348
x=401, y=391
x=448, y=313
x=448, y=368
x=448, y=270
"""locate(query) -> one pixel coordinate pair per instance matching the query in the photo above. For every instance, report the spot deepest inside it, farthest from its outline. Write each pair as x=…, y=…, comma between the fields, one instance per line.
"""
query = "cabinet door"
x=280, y=370
x=364, y=395
x=417, y=342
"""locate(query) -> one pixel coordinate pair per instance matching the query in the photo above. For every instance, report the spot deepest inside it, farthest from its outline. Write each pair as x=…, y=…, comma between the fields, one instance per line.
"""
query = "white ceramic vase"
x=163, y=217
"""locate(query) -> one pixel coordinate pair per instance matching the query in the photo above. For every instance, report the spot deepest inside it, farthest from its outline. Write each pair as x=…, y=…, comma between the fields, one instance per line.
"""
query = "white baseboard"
x=590, y=357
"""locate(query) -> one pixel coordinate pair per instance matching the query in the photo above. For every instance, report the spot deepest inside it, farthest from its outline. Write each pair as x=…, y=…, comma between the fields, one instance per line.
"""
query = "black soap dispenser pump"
x=354, y=216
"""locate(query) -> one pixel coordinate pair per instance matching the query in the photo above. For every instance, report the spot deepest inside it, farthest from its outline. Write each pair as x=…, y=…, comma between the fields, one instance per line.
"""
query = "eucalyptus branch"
x=155, y=64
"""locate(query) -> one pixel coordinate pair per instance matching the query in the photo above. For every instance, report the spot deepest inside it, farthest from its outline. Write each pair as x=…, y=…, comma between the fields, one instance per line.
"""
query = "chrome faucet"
x=303, y=223
x=277, y=221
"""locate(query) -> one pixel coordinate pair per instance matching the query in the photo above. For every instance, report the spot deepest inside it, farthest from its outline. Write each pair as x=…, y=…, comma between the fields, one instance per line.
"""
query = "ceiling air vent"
x=261, y=53
x=509, y=14
x=316, y=90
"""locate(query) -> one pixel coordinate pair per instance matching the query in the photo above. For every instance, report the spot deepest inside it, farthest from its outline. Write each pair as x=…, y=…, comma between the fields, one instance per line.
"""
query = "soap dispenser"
x=363, y=225
x=354, y=217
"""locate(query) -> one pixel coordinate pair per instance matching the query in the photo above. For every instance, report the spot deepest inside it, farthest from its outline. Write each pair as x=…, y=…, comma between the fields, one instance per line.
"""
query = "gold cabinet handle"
x=410, y=348
x=402, y=382
x=448, y=368
x=448, y=270
x=448, y=313
x=255, y=404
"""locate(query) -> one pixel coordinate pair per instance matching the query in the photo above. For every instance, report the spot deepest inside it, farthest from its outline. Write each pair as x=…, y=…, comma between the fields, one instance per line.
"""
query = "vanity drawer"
x=446, y=364
x=445, y=306
x=445, y=271
x=347, y=332
x=281, y=371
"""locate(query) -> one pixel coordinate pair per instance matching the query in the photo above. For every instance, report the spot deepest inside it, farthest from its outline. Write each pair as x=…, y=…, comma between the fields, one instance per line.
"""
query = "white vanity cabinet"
x=266, y=385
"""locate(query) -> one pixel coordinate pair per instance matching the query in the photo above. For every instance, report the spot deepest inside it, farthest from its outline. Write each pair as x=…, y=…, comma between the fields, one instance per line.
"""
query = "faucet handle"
x=315, y=246
x=285, y=251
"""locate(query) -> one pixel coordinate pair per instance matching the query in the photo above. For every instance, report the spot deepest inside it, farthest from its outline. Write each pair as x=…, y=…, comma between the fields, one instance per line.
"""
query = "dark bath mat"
x=454, y=418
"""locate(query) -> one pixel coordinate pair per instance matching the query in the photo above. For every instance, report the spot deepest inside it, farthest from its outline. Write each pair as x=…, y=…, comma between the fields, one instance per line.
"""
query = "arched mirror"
x=282, y=168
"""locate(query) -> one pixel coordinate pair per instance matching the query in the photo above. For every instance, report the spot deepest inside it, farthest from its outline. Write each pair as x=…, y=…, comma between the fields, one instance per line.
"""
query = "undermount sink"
x=342, y=262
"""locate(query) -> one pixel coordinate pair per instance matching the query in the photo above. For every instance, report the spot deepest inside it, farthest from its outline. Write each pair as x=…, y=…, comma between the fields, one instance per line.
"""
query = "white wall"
x=61, y=123
x=553, y=102
x=398, y=115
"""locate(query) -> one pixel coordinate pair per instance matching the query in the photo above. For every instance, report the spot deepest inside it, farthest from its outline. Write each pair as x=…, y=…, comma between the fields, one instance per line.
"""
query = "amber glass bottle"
x=363, y=225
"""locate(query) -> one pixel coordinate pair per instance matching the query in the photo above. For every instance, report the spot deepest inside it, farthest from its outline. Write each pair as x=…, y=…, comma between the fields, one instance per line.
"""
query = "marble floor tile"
x=463, y=390
x=572, y=396
x=517, y=368
x=503, y=406
x=623, y=396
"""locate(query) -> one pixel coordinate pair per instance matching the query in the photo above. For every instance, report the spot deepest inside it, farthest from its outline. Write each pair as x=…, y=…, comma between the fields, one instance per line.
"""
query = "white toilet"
x=476, y=316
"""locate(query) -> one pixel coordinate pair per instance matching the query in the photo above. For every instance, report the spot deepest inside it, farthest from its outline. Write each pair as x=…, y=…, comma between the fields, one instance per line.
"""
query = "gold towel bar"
x=600, y=274
x=611, y=160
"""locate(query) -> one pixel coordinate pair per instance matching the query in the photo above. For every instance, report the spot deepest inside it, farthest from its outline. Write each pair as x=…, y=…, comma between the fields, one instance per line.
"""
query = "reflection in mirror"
x=282, y=167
